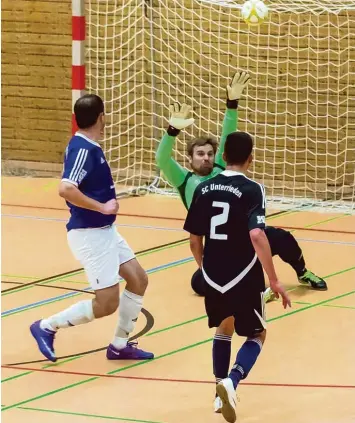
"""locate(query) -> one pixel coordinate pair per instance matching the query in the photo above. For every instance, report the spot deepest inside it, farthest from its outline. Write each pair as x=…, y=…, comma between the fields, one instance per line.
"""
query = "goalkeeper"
x=206, y=162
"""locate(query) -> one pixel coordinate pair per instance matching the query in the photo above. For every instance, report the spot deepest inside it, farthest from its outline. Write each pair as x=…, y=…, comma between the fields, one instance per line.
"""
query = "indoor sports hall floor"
x=305, y=373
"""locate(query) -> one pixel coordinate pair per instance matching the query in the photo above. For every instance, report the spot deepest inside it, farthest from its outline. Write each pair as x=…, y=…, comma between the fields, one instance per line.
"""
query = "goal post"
x=141, y=55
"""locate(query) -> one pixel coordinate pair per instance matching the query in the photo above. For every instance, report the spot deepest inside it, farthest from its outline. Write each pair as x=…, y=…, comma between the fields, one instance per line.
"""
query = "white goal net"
x=299, y=106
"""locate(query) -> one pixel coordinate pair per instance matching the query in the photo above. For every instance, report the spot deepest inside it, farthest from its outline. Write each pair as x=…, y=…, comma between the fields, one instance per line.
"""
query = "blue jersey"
x=85, y=167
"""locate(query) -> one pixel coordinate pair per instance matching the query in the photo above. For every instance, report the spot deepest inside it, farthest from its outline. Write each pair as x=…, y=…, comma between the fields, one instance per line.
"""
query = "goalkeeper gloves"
x=179, y=118
x=236, y=88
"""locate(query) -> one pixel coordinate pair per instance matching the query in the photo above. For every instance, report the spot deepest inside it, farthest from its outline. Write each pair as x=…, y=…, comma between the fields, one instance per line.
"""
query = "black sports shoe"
x=309, y=278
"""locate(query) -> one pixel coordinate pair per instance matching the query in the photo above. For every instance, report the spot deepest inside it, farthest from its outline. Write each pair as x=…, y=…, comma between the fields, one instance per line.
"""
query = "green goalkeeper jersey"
x=182, y=179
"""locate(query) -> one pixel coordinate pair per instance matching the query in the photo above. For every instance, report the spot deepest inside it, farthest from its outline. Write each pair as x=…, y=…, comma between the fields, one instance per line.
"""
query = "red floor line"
x=34, y=207
x=118, y=214
x=157, y=379
x=183, y=219
x=315, y=229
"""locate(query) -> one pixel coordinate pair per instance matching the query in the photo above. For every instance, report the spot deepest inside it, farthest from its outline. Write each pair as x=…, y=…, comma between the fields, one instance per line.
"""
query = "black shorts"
x=244, y=302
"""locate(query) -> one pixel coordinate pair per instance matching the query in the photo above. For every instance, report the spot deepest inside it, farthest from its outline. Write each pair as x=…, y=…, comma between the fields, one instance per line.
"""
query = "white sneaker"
x=226, y=392
x=217, y=405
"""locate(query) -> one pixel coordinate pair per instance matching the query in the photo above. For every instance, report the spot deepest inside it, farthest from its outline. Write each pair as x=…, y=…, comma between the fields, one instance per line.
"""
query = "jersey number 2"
x=218, y=220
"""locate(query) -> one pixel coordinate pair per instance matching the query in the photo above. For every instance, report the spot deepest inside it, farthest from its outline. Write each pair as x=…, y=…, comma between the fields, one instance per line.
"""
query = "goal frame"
x=79, y=27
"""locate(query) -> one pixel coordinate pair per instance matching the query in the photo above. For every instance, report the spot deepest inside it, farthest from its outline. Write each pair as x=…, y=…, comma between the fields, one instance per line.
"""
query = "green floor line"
x=62, y=281
x=327, y=220
x=138, y=255
x=156, y=251
x=80, y=355
x=339, y=272
x=4, y=275
x=55, y=391
x=163, y=248
x=58, y=278
x=34, y=278
x=44, y=367
x=211, y=339
x=349, y=269
x=97, y=416
x=176, y=326
x=82, y=382
x=16, y=376
x=168, y=354
x=183, y=242
x=75, y=294
x=187, y=347
x=162, y=330
x=340, y=306
x=319, y=223
x=285, y=213
x=62, y=278
x=55, y=300
x=325, y=305
x=307, y=307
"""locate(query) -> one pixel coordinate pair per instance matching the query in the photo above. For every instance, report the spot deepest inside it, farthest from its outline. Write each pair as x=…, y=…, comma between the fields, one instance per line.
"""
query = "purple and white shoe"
x=45, y=339
x=130, y=352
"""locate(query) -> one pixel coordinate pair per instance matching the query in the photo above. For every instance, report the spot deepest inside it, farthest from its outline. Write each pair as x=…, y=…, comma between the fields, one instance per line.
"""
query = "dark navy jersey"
x=224, y=210
x=85, y=166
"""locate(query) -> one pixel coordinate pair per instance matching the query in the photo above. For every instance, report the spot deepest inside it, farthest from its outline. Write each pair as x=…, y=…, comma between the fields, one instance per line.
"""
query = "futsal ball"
x=254, y=12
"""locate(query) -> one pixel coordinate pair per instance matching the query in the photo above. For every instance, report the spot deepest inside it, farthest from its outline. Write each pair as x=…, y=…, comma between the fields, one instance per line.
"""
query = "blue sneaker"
x=130, y=352
x=44, y=338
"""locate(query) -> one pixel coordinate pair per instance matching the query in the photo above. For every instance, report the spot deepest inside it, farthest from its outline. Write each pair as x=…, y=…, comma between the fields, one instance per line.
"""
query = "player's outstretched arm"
x=73, y=195
x=230, y=121
x=172, y=170
x=263, y=251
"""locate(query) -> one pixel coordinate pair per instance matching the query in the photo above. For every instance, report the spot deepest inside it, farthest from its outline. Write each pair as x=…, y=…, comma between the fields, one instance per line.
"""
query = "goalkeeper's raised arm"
x=230, y=121
x=205, y=161
x=172, y=170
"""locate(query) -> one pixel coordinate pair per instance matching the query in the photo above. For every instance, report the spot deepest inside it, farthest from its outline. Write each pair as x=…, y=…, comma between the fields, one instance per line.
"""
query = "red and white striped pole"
x=78, y=54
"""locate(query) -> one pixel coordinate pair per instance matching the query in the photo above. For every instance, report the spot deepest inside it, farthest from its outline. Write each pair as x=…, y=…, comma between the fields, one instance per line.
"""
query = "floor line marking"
x=187, y=347
x=161, y=379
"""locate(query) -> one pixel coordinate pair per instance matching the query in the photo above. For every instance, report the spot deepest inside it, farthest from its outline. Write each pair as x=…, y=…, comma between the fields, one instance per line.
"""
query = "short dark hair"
x=87, y=109
x=200, y=142
x=238, y=147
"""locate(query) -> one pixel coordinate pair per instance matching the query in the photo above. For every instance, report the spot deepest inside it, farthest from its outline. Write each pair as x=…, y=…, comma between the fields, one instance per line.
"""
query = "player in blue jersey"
x=89, y=191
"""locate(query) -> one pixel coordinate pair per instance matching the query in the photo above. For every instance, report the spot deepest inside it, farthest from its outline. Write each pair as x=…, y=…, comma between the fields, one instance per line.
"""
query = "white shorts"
x=101, y=251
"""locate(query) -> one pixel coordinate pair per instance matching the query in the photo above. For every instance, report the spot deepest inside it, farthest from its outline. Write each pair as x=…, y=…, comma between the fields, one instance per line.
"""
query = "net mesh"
x=299, y=106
